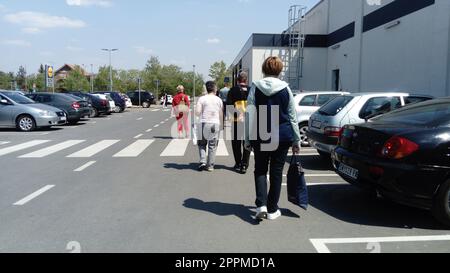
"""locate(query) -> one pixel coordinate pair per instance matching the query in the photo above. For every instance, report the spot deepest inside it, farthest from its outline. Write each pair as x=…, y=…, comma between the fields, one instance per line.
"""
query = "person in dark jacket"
x=272, y=129
x=237, y=104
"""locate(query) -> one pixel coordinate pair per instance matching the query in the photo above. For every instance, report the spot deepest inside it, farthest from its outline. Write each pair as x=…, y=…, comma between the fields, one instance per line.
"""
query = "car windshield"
x=428, y=114
x=18, y=98
x=335, y=106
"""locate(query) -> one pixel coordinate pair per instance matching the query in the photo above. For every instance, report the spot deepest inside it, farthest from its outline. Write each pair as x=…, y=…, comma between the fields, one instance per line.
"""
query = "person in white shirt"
x=210, y=112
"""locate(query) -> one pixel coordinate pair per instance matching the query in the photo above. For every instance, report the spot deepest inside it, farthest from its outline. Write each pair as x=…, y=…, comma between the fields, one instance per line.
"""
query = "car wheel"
x=146, y=105
x=94, y=113
x=441, y=207
x=304, y=141
x=117, y=109
x=25, y=123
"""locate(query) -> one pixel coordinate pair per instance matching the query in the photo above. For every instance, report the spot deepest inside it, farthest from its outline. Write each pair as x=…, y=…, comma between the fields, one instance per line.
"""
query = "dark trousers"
x=241, y=155
x=276, y=161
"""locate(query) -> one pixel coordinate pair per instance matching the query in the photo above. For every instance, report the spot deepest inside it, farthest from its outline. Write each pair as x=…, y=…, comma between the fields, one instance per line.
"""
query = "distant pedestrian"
x=165, y=100
x=181, y=107
x=271, y=93
x=237, y=100
x=209, y=110
x=223, y=94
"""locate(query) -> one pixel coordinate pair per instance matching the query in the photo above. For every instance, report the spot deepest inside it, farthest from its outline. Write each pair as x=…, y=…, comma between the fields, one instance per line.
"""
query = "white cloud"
x=213, y=41
x=143, y=50
x=86, y=3
x=74, y=48
x=33, y=22
x=20, y=43
x=2, y=8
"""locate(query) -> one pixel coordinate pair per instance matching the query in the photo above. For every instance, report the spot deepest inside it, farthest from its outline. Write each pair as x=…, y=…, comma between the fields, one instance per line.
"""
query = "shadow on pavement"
x=349, y=204
x=180, y=167
x=315, y=163
x=13, y=130
x=163, y=137
x=222, y=209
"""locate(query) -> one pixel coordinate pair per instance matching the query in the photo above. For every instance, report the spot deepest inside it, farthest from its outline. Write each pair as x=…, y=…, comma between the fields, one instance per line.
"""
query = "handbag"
x=296, y=184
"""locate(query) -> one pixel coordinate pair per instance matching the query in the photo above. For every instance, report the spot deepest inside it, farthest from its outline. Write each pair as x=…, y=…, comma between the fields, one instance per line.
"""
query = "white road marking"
x=162, y=122
x=52, y=149
x=138, y=136
x=321, y=244
x=33, y=195
x=149, y=130
x=140, y=118
x=135, y=149
x=155, y=110
x=85, y=166
x=94, y=149
x=222, y=149
x=156, y=126
x=22, y=146
x=176, y=147
x=4, y=142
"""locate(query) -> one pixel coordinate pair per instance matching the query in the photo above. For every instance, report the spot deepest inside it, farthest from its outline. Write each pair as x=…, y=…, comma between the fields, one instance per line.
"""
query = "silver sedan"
x=18, y=111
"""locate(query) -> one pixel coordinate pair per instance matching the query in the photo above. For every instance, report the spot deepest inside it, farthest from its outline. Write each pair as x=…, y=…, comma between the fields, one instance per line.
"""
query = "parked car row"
x=27, y=112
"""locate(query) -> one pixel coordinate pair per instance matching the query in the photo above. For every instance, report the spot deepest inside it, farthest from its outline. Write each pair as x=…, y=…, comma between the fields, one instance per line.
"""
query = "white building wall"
x=259, y=56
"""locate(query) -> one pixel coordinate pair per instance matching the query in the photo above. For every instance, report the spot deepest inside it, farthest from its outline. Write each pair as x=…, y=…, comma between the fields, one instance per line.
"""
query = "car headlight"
x=47, y=113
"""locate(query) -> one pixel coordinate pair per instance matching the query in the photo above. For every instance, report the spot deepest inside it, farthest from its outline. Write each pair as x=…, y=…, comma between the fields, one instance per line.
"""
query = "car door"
x=5, y=112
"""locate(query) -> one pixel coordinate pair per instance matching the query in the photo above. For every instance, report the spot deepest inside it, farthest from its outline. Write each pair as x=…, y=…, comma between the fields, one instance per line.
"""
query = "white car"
x=306, y=104
x=169, y=100
x=112, y=104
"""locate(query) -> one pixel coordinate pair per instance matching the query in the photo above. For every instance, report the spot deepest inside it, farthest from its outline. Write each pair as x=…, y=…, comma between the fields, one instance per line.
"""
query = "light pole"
x=194, y=85
x=92, y=78
x=110, y=67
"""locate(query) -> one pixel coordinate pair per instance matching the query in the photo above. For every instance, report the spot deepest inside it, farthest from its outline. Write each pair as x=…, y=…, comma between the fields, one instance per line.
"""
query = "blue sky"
x=181, y=32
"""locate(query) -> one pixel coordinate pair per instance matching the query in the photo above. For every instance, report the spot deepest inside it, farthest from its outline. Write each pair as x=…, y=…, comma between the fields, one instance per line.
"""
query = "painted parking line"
x=22, y=146
x=4, y=142
x=138, y=136
x=321, y=244
x=85, y=166
x=149, y=130
x=162, y=122
x=140, y=119
x=156, y=126
x=155, y=110
x=33, y=195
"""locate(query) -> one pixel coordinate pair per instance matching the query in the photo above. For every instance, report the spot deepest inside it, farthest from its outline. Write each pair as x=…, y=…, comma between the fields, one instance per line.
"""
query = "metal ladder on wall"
x=294, y=55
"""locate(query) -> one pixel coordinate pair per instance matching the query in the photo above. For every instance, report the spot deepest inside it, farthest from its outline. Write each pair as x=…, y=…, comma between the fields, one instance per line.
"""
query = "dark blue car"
x=118, y=100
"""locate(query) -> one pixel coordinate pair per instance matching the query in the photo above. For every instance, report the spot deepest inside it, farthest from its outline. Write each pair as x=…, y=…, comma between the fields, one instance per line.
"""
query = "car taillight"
x=76, y=105
x=333, y=131
x=398, y=148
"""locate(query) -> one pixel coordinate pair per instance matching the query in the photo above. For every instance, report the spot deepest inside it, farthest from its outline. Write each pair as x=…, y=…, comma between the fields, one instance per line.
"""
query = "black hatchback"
x=144, y=99
x=403, y=155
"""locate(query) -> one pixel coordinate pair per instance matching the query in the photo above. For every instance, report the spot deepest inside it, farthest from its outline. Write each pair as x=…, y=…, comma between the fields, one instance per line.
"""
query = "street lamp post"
x=110, y=67
x=92, y=78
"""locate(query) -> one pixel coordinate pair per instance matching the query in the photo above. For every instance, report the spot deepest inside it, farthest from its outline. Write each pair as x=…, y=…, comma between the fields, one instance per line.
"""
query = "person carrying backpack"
x=180, y=108
x=237, y=100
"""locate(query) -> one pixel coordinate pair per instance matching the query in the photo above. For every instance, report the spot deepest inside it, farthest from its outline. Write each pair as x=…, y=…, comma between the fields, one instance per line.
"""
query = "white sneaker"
x=274, y=216
x=261, y=213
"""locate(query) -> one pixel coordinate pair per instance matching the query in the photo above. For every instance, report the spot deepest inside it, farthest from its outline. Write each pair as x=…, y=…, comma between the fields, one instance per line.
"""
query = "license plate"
x=63, y=119
x=348, y=171
x=316, y=124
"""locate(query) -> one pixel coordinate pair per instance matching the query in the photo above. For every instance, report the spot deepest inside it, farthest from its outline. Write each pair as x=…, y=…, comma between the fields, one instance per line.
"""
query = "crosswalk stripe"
x=176, y=147
x=222, y=149
x=52, y=149
x=22, y=146
x=4, y=142
x=135, y=149
x=155, y=110
x=94, y=149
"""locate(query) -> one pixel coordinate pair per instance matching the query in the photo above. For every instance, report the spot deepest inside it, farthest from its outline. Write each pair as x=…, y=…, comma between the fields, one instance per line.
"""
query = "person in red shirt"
x=181, y=106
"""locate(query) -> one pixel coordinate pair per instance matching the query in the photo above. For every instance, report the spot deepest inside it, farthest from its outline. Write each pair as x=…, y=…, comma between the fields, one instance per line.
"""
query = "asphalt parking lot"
x=122, y=184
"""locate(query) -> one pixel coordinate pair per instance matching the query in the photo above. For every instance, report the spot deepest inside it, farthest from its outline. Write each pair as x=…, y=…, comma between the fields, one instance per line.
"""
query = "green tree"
x=21, y=77
x=219, y=72
x=101, y=82
x=76, y=81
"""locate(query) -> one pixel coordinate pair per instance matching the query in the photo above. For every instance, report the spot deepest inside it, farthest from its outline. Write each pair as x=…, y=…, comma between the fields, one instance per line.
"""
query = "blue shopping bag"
x=296, y=184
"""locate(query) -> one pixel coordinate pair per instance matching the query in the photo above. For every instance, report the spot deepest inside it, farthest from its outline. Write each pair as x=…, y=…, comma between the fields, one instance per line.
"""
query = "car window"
x=335, y=106
x=415, y=99
x=46, y=98
x=308, y=101
x=429, y=115
x=380, y=105
x=323, y=99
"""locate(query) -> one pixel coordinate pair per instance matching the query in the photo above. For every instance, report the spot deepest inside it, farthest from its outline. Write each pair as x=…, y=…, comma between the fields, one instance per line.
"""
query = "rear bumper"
x=321, y=142
x=79, y=114
x=411, y=185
